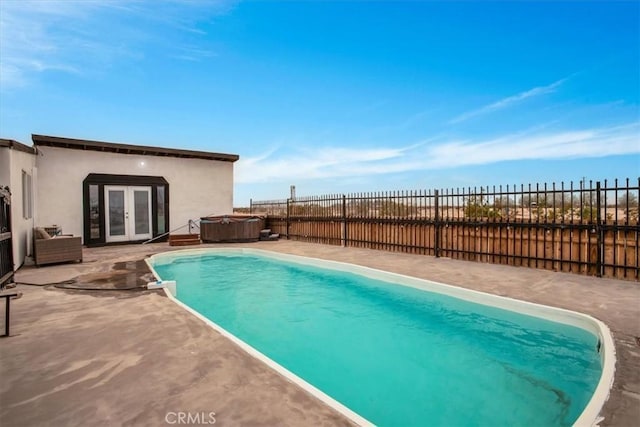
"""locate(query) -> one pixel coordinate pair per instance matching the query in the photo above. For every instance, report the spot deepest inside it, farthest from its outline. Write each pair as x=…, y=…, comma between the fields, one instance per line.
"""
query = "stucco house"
x=108, y=192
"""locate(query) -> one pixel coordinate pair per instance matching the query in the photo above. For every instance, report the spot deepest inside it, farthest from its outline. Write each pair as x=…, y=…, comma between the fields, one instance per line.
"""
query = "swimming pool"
x=397, y=355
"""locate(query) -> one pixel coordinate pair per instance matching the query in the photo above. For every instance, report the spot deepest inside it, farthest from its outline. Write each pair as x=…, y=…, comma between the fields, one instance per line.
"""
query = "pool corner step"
x=162, y=284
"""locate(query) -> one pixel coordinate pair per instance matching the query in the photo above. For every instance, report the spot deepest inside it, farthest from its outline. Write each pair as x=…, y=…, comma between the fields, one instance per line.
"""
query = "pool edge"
x=281, y=370
x=590, y=416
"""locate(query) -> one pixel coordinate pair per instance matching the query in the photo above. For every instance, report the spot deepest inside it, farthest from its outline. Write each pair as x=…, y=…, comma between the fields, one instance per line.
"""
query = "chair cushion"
x=41, y=233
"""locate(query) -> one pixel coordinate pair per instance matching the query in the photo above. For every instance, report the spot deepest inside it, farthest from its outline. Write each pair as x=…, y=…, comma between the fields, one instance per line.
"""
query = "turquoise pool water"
x=396, y=355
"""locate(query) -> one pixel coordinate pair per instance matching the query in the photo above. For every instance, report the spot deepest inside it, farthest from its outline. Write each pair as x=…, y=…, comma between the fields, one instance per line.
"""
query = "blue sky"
x=337, y=97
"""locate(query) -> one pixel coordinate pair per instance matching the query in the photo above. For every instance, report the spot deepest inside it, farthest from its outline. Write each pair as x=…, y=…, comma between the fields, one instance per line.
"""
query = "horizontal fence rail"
x=588, y=228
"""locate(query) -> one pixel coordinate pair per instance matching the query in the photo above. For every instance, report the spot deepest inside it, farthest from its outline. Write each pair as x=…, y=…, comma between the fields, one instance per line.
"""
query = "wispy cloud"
x=508, y=101
x=194, y=54
x=323, y=162
x=561, y=145
x=83, y=36
x=311, y=163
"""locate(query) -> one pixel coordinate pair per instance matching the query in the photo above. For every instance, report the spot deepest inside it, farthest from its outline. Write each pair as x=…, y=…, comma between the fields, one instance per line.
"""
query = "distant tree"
x=535, y=199
x=588, y=213
x=477, y=206
x=305, y=209
x=358, y=208
x=504, y=202
x=589, y=198
x=562, y=200
x=575, y=201
x=504, y=206
x=389, y=208
x=628, y=199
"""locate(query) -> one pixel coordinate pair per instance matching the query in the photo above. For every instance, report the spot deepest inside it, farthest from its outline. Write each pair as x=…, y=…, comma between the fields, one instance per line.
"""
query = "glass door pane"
x=160, y=208
x=116, y=213
x=139, y=213
x=94, y=211
x=141, y=208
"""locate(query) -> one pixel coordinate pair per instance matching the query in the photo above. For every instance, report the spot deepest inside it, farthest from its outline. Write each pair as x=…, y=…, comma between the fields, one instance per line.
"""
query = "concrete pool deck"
x=110, y=357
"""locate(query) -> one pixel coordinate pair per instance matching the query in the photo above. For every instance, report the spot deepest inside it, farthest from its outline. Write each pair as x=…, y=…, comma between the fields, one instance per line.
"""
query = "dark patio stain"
x=138, y=265
x=124, y=276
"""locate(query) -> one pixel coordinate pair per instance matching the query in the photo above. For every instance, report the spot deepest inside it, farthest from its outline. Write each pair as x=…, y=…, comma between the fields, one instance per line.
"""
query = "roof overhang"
x=10, y=143
x=111, y=147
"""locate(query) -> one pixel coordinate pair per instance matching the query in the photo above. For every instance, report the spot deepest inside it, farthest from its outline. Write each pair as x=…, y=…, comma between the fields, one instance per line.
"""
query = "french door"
x=127, y=213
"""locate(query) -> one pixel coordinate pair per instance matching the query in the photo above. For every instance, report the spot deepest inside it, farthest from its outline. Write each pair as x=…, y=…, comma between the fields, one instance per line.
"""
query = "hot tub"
x=231, y=228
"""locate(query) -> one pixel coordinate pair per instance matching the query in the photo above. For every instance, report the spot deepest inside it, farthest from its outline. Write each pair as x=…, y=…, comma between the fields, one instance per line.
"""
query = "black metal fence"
x=588, y=228
x=6, y=251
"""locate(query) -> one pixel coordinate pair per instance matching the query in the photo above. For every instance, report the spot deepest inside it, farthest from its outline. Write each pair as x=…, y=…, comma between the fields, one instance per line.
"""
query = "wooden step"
x=184, y=239
x=185, y=243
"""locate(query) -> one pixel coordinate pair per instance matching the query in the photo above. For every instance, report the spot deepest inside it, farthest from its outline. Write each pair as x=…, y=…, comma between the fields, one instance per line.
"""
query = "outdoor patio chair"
x=49, y=250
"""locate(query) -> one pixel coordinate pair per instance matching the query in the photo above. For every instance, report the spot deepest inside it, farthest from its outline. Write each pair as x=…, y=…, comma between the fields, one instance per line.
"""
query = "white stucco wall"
x=196, y=187
x=22, y=228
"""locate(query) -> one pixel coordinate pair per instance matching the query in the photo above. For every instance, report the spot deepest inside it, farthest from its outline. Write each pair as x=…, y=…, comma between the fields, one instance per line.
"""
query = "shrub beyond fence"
x=588, y=229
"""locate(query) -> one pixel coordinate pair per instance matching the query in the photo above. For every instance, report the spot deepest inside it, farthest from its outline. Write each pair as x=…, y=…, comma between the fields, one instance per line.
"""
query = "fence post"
x=437, y=224
x=600, y=231
x=344, y=220
x=250, y=206
x=287, y=219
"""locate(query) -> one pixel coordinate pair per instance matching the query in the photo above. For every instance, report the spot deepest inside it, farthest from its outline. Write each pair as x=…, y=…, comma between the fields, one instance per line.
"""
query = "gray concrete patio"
x=130, y=357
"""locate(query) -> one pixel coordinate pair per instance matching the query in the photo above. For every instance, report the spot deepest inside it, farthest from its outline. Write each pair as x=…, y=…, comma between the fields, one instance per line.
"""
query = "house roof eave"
x=84, y=144
x=10, y=143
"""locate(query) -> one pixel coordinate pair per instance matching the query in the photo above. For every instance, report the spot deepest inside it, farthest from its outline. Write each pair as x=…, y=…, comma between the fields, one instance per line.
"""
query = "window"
x=160, y=208
x=27, y=196
x=94, y=211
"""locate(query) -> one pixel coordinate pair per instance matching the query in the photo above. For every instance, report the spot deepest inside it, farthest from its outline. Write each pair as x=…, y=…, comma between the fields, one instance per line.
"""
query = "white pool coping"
x=590, y=415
